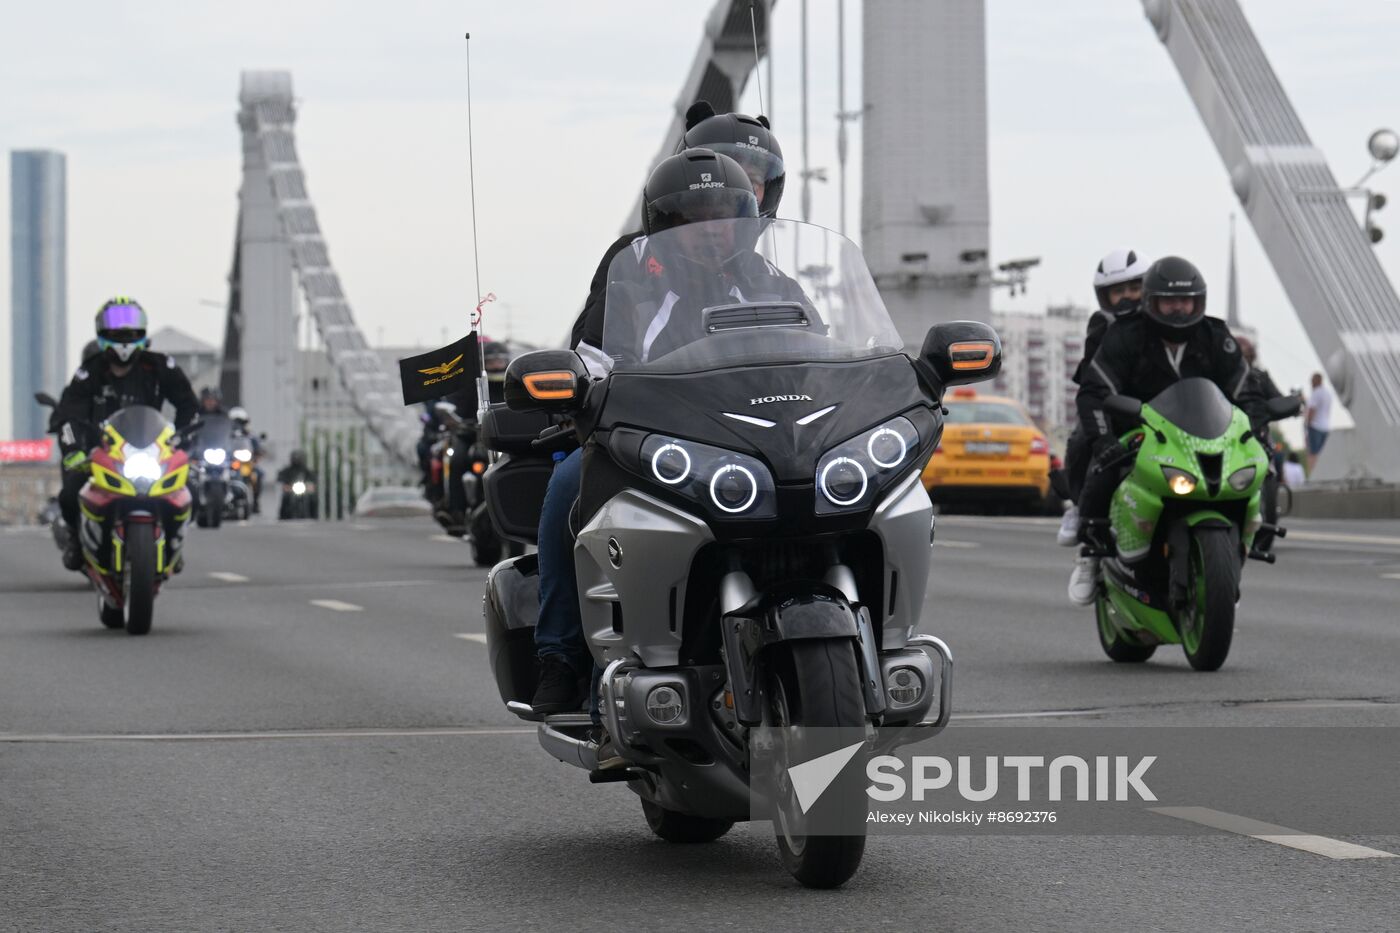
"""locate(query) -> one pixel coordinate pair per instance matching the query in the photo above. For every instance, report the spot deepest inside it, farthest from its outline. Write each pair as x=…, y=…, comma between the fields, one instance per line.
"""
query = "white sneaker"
x=1084, y=582
x=1068, y=535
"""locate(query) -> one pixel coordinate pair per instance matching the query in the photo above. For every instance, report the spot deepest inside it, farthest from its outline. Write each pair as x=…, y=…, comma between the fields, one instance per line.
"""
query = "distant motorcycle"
x=460, y=507
x=134, y=508
x=211, y=450
x=298, y=499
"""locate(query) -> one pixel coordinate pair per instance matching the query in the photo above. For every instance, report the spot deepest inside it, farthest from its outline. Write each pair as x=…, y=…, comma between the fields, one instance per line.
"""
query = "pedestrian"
x=1293, y=475
x=1318, y=422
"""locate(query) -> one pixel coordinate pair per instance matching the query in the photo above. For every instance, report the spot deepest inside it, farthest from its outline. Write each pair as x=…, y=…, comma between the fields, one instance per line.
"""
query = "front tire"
x=674, y=826
x=1118, y=646
x=140, y=574
x=1207, y=622
x=818, y=684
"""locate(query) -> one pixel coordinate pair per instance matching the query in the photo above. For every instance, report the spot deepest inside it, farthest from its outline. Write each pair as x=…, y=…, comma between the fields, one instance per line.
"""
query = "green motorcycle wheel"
x=1207, y=623
x=1117, y=645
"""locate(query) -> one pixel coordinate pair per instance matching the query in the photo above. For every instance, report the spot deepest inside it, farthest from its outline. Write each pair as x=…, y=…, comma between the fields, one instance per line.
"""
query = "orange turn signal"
x=555, y=384
x=478, y=468
x=971, y=354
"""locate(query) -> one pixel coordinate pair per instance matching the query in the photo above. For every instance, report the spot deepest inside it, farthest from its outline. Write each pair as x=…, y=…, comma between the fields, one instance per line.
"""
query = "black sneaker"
x=558, y=690
x=73, y=553
x=605, y=750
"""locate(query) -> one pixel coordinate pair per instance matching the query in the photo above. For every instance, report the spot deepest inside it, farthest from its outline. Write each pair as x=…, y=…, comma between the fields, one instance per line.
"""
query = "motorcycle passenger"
x=124, y=373
x=239, y=416
x=296, y=471
x=1118, y=287
x=1171, y=339
x=211, y=401
x=672, y=197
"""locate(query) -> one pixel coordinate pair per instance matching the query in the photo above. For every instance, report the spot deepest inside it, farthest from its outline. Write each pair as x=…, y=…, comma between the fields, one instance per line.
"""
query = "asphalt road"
x=305, y=742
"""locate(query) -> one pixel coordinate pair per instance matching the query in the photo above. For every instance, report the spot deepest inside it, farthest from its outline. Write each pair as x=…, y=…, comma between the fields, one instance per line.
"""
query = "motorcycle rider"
x=1268, y=499
x=672, y=197
x=1171, y=339
x=1118, y=287
x=295, y=471
x=239, y=416
x=124, y=373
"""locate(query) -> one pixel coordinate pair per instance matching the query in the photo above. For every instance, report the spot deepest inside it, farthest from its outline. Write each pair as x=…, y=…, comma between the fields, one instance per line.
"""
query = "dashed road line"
x=337, y=605
x=471, y=636
x=1268, y=832
x=228, y=577
x=244, y=736
x=947, y=542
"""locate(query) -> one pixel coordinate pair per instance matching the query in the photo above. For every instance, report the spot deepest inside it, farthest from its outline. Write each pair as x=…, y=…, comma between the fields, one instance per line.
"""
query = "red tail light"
x=1040, y=446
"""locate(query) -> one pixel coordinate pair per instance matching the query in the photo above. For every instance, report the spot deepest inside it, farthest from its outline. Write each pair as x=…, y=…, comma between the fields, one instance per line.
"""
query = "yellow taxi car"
x=991, y=451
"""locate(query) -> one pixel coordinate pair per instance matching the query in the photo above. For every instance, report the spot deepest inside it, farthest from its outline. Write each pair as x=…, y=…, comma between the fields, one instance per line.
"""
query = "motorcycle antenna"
x=483, y=389
x=753, y=31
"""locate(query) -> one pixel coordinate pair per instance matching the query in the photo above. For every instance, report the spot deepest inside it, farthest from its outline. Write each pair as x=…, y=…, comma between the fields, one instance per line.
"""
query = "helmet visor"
x=765, y=170
x=683, y=207
x=121, y=317
x=1178, y=311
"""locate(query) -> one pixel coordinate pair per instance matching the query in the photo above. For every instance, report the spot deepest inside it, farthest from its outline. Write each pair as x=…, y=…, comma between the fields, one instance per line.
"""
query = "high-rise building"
x=38, y=284
x=1040, y=353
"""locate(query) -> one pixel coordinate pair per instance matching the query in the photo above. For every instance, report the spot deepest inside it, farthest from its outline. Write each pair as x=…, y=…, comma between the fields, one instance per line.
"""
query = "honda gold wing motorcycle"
x=134, y=508
x=1184, y=522
x=752, y=538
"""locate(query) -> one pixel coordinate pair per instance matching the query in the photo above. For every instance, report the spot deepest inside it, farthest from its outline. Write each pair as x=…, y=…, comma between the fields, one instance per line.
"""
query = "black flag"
x=449, y=371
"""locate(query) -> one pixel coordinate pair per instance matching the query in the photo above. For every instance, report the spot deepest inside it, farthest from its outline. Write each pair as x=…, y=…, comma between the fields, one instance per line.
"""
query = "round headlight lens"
x=905, y=685
x=886, y=448
x=299, y=488
x=733, y=488
x=1241, y=479
x=670, y=464
x=1179, y=481
x=243, y=455
x=843, y=481
x=664, y=705
x=214, y=456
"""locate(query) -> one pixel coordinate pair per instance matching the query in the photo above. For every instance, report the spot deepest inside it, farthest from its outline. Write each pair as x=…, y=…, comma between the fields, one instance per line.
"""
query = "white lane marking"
x=361, y=526
x=1268, y=832
x=1337, y=537
x=227, y=577
x=1390, y=576
x=947, y=542
x=1035, y=714
x=337, y=605
x=447, y=538
x=232, y=736
x=471, y=636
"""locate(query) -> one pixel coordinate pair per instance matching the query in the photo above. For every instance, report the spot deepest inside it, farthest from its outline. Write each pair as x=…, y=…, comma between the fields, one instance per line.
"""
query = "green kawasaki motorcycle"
x=1184, y=521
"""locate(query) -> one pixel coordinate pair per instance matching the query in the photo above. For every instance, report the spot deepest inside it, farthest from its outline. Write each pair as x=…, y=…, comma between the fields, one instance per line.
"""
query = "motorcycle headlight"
x=1179, y=481
x=244, y=455
x=730, y=484
x=141, y=464
x=299, y=488
x=1242, y=479
x=214, y=456
x=851, y=473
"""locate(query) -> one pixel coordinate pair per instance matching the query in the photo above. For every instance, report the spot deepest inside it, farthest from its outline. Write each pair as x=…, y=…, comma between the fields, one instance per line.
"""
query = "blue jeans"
x=559, y=631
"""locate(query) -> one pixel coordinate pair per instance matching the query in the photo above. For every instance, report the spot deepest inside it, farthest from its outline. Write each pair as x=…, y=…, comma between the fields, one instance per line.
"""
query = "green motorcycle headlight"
x=1241, y=479
x=1179, y=481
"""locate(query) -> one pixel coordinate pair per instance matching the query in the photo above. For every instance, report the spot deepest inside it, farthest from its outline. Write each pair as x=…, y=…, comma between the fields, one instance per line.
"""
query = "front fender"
x=813, y=610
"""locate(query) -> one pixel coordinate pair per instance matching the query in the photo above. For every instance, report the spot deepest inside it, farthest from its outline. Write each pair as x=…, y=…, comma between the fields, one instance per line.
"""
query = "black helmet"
x=211, y=392
x=1173, y=277
x=696, y=184
x=748, y=141
x=495, y=356
x=298, y=458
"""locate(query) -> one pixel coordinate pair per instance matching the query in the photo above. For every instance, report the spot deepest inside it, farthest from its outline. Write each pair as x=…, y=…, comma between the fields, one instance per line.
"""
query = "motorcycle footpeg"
x=1267, y=557
x=1278, y=531
x=524, y=711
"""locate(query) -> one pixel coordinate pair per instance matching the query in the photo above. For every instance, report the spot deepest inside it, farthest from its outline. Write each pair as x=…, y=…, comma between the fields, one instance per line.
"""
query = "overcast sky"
x=1093, y=140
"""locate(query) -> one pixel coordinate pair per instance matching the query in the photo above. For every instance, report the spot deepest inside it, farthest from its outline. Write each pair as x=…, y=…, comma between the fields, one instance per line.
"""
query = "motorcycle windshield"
x=215, y=433
x=721, y=293
x=1197, y=406
x=138, y=425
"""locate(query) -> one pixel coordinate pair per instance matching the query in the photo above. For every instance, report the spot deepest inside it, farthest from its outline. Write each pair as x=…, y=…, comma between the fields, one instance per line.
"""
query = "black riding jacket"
x=1099, y=323
x=1134, y=361
x=96, y=393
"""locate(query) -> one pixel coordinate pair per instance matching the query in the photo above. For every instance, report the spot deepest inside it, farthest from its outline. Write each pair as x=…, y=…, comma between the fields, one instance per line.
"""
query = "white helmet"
x=238, y=413
x=1119, y=266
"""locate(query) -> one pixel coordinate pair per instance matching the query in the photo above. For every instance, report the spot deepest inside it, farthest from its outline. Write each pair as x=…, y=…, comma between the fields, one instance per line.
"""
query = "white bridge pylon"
x=278, y=234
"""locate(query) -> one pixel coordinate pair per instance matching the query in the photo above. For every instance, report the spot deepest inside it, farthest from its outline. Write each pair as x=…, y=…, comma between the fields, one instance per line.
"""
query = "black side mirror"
x=960, y=352
x=1121, y=406
x=45, y=399
x=546, y=380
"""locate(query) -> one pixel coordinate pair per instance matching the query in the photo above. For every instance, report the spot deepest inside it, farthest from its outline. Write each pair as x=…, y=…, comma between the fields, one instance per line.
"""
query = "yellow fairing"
x=111, y=481
x=172, y=481
x=115, y=442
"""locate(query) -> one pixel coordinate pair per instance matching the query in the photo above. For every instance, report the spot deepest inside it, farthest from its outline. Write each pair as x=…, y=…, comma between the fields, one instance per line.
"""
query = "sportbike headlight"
x=1179, y=481
x=141, y=464
x=299, y=488
x=214, y=456
x=728, y=484
x=1243, y=478
x=243, y=454
x=850, y=474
